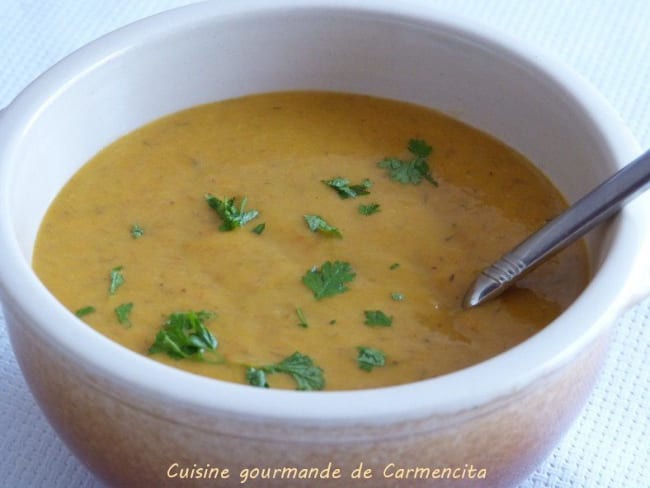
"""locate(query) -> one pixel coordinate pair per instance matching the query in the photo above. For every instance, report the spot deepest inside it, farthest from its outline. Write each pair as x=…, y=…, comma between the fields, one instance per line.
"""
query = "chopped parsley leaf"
x=345, y=190
x=398, y=297
x=394, y=266
x=184, y=335
x=259, y=228
x=117, y=280
x=301, y=316
x=369, y=358
x=411, y=170
x=329, y=280
x=231, y=216
x=136, y=231
x=369, y=209
x=84, y=311
x=377, y=318
x=318, y=224
x=122, y=312
x=256, y=377
x=307, y=375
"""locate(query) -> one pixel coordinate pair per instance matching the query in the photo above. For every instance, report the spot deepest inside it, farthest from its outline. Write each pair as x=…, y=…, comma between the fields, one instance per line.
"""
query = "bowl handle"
x=638, y=288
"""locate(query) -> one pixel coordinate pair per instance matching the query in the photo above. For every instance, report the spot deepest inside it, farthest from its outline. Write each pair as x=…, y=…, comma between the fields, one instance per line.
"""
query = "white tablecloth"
x=607, y=41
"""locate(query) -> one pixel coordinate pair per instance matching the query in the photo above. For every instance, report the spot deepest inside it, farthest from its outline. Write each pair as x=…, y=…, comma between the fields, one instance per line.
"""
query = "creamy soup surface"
x=132, y=239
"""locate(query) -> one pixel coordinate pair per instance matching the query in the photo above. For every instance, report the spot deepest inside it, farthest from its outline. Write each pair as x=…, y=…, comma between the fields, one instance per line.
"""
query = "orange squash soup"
x=304, y=240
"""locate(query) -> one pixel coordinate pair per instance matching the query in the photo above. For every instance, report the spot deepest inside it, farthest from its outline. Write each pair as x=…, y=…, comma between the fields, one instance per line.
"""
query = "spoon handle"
x=599, y=204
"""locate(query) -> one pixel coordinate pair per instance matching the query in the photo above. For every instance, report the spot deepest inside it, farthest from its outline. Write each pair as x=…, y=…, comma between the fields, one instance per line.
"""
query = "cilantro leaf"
x=259, y=228
x=419, y=148
x=256, y=377
x=345, y=190
x=329, y=280
x=411, y=170
x=302, y=369
x=117, y=279
x=122, y=312
x=377, y=318
x=136, y=231
x=369, y=358
x=84, y=311
x=318, y=224
x=301, y=316
x=184, y=335
x=369, y=209
x=231, y=216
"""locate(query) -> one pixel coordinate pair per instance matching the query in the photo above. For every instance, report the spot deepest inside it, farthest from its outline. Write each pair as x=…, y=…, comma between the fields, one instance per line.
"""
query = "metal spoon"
x=599, y=204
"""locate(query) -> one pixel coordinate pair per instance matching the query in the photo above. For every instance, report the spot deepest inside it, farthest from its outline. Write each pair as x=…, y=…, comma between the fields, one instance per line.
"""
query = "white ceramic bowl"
x=134, y=421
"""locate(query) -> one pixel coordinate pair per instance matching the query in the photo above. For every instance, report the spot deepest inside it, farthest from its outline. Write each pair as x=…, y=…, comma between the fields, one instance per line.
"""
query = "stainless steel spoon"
x=598, y=205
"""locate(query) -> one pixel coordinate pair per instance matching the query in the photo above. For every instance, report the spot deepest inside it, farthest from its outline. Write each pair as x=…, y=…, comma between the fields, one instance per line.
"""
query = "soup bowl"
x=135, y=422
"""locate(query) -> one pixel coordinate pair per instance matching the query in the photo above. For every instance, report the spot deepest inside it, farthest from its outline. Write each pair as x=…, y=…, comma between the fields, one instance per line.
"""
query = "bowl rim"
x=461, y=390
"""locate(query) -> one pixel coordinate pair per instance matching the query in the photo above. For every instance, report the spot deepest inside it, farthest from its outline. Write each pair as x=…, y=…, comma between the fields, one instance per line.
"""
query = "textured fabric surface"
x=607, y=41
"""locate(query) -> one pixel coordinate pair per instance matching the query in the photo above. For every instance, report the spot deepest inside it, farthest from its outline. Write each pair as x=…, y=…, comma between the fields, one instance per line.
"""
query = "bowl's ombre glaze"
x=129, y=418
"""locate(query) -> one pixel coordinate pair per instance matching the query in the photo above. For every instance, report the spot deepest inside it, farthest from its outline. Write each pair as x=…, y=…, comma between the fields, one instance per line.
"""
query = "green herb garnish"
x=231, y=216
x=307, y=375
x=184, y=335
x=345, y=190
x=394, y=266
x=398, y=297
x=369, y=209
x=123, y=312
x=136, y=231
x=318, y=224
x=411, y=170
x=117, y=279
x=85, y=311
x=369, y=358
x=377, y=318
x=301, y=316
x=259, y=228
x=329, y=279
x=256, y=377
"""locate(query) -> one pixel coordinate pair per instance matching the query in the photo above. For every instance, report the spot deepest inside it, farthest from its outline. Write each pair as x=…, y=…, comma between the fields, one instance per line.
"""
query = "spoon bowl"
x=598, y=205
